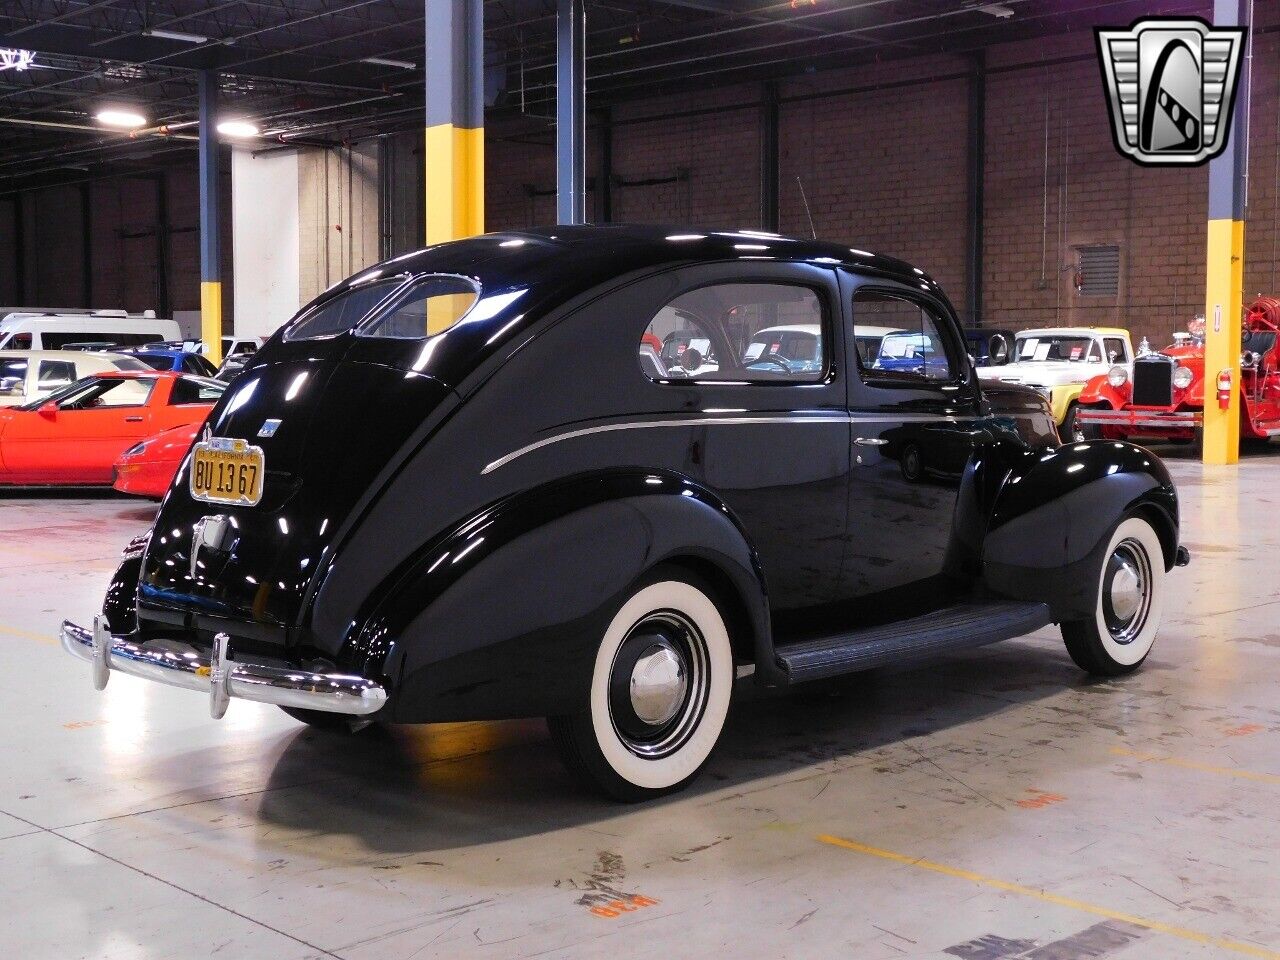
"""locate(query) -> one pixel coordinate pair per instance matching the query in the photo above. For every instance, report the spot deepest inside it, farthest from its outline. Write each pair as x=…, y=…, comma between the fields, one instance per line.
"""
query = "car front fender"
x=502, y=616
x=1099, y=390
x=1054, y=515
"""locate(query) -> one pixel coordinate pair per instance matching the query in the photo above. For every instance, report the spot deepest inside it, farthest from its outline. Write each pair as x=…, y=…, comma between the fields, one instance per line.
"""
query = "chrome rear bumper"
x=180, y=665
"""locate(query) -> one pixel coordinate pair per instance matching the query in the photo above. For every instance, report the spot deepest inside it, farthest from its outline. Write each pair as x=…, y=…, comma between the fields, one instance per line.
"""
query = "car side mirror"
x=48, y=409
x=690, y=359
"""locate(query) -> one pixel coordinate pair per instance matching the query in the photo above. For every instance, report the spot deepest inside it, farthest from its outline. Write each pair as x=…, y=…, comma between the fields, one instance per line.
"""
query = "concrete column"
x=266, y=262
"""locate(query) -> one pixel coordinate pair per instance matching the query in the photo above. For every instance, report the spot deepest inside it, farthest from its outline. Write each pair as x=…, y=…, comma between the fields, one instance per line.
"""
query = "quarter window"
x=898, y=339
x=195, y=390
x=744, y=332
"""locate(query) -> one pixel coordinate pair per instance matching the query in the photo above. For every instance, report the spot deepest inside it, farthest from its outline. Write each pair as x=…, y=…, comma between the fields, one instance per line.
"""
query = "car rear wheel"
x=660, y=691
x=1128, y=603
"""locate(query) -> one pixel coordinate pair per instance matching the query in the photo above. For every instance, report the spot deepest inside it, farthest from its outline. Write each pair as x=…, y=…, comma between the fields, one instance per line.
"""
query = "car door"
x=771, y=432
x=79, y=439
x=915, y=421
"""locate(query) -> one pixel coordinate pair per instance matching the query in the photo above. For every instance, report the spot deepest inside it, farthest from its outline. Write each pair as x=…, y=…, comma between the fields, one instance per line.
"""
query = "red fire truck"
x=1165, y=396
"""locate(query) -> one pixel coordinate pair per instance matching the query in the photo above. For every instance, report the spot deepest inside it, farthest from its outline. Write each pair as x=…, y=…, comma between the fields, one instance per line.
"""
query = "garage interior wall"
x=881, y=152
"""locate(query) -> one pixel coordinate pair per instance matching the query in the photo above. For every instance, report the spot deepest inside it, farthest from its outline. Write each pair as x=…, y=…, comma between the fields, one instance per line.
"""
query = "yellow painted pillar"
x=1224, y=304
x=1224, y=266
x=211, y=320
x=210, y=229
x=454, y=154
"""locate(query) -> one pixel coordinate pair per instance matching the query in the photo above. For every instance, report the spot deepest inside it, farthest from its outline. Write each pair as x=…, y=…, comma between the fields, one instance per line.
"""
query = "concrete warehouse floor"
x=996, y=804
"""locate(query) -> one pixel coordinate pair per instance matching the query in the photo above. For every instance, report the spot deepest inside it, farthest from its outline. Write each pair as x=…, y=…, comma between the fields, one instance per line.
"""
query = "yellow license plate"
x=226, y=470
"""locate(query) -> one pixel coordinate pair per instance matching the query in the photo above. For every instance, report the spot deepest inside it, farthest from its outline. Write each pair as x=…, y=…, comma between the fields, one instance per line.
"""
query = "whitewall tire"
x=660, y=690
x=1129, y=594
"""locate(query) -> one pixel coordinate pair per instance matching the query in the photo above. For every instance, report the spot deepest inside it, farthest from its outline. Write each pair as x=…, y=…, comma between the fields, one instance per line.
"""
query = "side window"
x=898, y=339
x=101, y=393
x=13, y=377
x=1115, y=350
x=753, y=332
x=55, y=374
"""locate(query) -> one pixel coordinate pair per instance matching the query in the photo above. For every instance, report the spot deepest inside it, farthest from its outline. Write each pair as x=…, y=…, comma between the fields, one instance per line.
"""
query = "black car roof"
x=593, y=252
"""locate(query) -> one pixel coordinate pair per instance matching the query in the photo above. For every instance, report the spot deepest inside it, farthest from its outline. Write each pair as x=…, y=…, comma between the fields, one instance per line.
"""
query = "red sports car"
x=147, y=469
x=75, y=436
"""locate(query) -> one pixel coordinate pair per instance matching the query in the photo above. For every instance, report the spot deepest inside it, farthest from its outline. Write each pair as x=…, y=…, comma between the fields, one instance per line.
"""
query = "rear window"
x=151, y=361
x=341, y=313
x=130, y=363
x=432, y=305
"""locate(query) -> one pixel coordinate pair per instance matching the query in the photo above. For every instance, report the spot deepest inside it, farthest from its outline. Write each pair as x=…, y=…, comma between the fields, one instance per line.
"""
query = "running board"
x=951, y=628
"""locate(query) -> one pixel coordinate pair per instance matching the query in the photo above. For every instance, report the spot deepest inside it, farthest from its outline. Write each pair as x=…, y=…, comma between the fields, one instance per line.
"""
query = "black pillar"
x=977, y=163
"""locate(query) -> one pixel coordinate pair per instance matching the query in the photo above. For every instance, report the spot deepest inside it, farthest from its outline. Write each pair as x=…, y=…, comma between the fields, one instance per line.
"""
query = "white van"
x=27, y=375
x=100, y=330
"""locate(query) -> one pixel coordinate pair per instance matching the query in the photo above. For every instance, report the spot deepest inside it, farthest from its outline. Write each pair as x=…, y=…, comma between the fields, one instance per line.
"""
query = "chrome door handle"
x=133, y=419
x=869, y=441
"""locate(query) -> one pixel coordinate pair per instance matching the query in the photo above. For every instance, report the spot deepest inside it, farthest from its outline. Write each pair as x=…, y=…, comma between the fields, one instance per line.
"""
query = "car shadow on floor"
x=408, y=789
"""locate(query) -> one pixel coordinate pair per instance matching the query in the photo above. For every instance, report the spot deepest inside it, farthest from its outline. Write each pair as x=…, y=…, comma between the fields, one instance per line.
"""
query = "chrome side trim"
x=220, y=678
x=718, y=422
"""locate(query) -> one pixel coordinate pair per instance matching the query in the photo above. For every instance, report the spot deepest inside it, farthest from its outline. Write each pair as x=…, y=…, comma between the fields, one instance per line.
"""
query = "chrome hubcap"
x=658, y=684
x=1126, y=591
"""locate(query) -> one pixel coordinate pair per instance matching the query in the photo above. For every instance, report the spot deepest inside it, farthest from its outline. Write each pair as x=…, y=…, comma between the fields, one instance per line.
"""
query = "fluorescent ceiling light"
x=126, y=119
x=176, y=35
x=238, y=128
x=384, y=62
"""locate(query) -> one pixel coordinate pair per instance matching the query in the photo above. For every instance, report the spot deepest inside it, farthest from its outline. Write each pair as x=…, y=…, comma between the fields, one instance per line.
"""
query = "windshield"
x=898, y=346
x=796, y=345
x=1066, y=349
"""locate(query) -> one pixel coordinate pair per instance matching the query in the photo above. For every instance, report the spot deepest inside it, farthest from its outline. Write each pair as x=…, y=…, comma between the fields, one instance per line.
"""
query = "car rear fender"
x=502, y=616
x=1055, y=512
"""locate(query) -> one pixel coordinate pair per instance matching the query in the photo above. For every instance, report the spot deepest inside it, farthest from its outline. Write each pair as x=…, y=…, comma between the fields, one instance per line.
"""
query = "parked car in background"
x=411, y=522
x=232, y=366
x=74, y=436
x=27, y=375
x=918, y=353
x=1059, y=361
x=990, y=347
x=103, y=329
x=1162, y=395
x=148, y=467
x=173, y=358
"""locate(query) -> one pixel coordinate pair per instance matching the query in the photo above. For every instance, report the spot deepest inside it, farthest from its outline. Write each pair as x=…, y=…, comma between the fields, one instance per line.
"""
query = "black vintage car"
x=465, y=485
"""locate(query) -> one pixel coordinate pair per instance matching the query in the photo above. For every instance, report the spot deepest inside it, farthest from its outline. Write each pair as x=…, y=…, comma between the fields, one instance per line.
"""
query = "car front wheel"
x=1128, y=603
x=660, y=691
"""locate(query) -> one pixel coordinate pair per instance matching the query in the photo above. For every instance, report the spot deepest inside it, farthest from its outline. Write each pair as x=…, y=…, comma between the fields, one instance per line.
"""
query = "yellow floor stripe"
x=26, y=634
x=1192, y=765
x=1221, y=943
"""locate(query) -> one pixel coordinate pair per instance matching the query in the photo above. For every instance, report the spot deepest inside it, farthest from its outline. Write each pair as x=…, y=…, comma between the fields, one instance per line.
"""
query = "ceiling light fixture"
x=238, y=128
x=125, y=119
x=384, y=62
x=176, y=35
